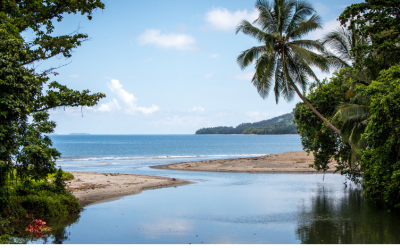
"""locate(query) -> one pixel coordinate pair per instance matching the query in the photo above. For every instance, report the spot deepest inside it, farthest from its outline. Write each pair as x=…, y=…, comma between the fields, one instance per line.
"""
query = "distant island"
x=79, y=134
x=276, y=126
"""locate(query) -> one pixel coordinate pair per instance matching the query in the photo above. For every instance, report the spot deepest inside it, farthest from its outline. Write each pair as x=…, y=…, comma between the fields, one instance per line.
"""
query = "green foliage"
x=365, y=99
x=278, y=125
x=8, y=239
x=316, y=136
x=26, y=153
x=379, y=21
x=381, y=159
x=67, y=176
x=42, y=199
x=59, y=181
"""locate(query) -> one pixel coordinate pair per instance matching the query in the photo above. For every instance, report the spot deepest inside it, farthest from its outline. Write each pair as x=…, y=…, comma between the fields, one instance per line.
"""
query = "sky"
x=167, y=67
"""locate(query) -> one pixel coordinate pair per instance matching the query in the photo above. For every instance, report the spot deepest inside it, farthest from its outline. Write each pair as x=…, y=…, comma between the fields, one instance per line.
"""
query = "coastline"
x=290, y=162
x=94, y=188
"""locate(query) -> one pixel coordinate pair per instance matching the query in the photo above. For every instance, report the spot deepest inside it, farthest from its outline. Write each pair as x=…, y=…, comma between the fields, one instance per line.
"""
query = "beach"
x=94, y=188
x=290, y=162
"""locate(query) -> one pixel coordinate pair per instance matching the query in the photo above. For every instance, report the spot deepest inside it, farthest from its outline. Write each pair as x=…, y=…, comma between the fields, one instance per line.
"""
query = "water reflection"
x=235, y=208
x=58, y=235
x=347, y=219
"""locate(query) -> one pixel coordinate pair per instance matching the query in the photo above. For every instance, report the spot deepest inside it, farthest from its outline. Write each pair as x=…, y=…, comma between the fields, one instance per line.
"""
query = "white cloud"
x=171, y=40
x=244, y=76
x=109, y=106
x=129, y=99
x=222, y=19
x=74, y=76
x=148, y=111
x=214, y=56
x=149, y=59
x=195, y=109
x=208, y=75
x=126, y=97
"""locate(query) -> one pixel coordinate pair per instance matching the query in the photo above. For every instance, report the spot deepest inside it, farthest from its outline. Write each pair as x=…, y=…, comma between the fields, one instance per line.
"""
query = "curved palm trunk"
x=316, y=112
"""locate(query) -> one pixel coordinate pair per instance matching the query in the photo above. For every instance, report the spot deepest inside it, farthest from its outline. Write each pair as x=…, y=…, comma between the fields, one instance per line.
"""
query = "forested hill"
x=279, y=125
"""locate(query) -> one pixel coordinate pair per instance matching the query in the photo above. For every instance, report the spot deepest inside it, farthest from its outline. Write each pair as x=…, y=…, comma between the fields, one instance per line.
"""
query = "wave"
x=79, y=158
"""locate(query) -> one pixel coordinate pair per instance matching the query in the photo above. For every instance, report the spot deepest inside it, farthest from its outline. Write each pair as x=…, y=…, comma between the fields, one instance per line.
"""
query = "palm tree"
x=356, y=113
x=284, y=60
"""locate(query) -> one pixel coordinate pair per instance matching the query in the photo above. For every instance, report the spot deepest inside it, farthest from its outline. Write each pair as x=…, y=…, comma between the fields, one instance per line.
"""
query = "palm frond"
x=311, y=58
x=355, y=117
x=339, y=41
x=288, y=89
x=298, y=74
x=249, y=56
x=304, y=66
x=310, y=45
x=348, y=111
x=286, y=10
x=335, y=61
x=262, y=80
x=279, y=79
x=302, y=10
x=306, y=26
x=266, y=18
x=247, y=28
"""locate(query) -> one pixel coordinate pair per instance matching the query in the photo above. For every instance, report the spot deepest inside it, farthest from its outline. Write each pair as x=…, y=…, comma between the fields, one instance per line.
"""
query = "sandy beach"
x=290, y=162
x=94, y=188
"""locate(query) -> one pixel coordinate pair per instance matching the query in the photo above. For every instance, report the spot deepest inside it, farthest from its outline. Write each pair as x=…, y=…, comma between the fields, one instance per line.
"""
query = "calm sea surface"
x=219, y=207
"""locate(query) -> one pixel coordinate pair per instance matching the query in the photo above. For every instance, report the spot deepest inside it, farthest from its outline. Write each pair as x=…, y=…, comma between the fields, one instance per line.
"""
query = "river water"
x=218, y=207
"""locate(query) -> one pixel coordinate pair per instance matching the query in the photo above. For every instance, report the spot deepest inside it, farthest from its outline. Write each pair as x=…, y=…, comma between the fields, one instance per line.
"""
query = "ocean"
x=127, y=153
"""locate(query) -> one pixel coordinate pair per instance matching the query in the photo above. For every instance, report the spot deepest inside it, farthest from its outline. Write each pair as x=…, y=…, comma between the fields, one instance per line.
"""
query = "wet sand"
x=94, y=188
x=290, y=162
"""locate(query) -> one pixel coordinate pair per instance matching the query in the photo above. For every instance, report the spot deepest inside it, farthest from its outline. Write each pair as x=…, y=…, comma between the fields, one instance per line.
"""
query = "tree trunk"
x=316, y=112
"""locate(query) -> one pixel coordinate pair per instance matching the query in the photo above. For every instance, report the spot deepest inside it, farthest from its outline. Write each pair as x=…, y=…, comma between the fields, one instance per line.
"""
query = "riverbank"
x=94, y=188
x=290, y=162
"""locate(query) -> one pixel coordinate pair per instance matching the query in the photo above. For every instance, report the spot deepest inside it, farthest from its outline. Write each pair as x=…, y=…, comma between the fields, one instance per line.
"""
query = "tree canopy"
x=362, y=101
x=25, y=149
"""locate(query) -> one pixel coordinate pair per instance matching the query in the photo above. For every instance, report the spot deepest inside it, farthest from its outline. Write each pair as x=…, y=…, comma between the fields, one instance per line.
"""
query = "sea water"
x=218, y=207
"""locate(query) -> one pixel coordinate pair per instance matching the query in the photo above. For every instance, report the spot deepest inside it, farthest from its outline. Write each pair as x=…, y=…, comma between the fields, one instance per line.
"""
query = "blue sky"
x=167, y=67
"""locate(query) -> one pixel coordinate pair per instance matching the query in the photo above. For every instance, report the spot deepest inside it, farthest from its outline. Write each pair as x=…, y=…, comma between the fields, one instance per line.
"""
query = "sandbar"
x=94, y=188
x=290, y=162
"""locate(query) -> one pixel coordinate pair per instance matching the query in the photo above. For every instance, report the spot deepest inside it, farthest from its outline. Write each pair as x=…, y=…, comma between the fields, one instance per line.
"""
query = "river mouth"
x=218, y=207
x=238, y=208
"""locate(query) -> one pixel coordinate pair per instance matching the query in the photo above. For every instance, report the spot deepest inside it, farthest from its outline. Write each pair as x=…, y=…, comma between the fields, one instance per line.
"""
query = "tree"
x=283, y=55
x=316, y=136
x=355, y=113
x=25, y=150
x=380, y=161
x=378, y=20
